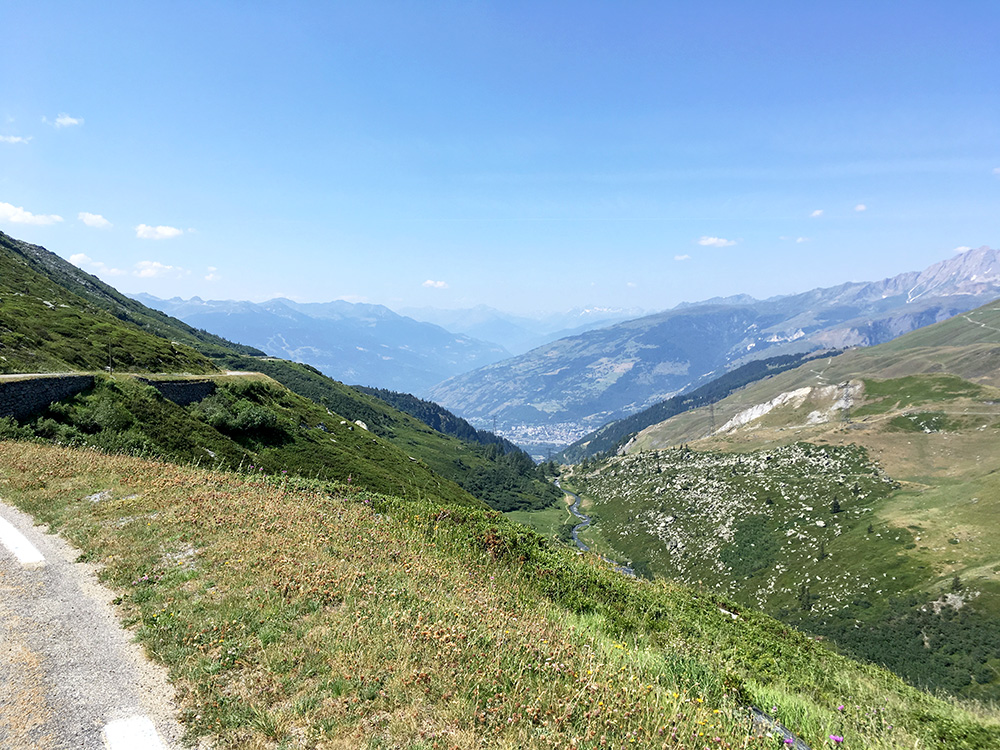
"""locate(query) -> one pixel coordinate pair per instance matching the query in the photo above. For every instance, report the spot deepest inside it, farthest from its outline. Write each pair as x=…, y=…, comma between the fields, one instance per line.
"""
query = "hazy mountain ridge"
x=351, y=342
x=566, y=388
x=521, y=333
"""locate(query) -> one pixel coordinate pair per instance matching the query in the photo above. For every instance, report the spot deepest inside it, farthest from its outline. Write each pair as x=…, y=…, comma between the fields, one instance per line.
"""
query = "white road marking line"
x=25, y=552
x=135, y=733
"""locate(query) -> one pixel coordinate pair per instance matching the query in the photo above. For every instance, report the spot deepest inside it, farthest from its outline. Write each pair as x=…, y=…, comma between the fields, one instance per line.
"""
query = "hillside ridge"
x=557, y=393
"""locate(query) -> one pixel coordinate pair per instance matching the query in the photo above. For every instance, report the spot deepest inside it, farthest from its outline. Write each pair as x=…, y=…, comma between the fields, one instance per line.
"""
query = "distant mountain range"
x=351, y=342
x=556, y=393
x=520, y=333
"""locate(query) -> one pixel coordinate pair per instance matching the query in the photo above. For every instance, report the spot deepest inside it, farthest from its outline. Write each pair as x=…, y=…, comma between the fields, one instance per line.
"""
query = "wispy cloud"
x=436, y=284
x=996, y=171
x=14, y=139
x=82, y=260
x=151, y=269
x=801, y=239
x=63, y=120
x=861, y=207
x=94, y=220
x=682, y=257
x=146, y=232
x=17, y=215
x=212, y=275
x=816, y=214
x=144, y=269
x=716, y=242
x=962, y=249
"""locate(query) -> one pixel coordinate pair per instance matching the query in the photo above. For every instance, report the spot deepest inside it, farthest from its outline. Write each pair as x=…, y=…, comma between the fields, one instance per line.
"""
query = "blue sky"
x=525, y=155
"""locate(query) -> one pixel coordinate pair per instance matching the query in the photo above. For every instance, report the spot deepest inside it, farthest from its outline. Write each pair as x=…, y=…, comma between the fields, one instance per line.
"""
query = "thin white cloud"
x=861, y=207
x=212, y=275
x=63, y=120
x=82, y=260
x=716, y=242
x=682, y=257
x=996, y=171
x=146, y=232
x=17, y=215
x=14, y=139
x=801, y=239
x=94, y=220
x=151, y=269
x=631, y=284
x=816, y=214
x=962, y=249
x=436, y=284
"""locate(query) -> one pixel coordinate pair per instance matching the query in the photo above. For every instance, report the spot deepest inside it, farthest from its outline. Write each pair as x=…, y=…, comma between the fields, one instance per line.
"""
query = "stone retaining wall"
x=22, y=398
x=182, y=392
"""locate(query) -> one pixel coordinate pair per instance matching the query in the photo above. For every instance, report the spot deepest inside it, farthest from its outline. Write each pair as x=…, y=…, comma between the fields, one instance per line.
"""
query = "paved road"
x=71, y=677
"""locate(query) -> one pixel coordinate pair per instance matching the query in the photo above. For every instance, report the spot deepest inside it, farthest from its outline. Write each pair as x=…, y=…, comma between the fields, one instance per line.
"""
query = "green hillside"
x=56, y=318
x=295, y=613
x=506, y=481
x=617, y=433
x=47, y=327
x=814, y=535
x=250, y=423
x=35, y=274
x=908, y=575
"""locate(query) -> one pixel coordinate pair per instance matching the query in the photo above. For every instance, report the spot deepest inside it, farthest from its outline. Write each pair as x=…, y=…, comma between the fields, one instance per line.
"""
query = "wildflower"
x=836, y=739
x=840, y=707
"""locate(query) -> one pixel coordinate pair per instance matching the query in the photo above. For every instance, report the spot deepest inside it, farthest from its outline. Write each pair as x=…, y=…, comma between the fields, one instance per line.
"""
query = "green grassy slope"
x=817, y=536
x=303, y=614
x=47, y=327
x=54, y=317
x=42, y=274
x=250, y=423
x=924, y=409
x=504, y=482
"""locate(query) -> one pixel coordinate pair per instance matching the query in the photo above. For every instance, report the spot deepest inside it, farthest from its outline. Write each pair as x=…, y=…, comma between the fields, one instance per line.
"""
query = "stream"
x=584, y=523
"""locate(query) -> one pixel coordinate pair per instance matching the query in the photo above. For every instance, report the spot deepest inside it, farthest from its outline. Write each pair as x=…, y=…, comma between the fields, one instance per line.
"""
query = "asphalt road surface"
x=70, y=677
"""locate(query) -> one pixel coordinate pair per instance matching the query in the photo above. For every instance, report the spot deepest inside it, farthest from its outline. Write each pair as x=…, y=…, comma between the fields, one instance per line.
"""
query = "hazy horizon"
x=529, y=158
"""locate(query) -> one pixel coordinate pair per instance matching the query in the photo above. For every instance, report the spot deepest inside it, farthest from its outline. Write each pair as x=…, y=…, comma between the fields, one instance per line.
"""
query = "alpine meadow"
x=506, y=376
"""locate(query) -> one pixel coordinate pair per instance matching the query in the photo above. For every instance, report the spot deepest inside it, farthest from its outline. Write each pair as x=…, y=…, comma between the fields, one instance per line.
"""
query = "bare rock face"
x=975, y=272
